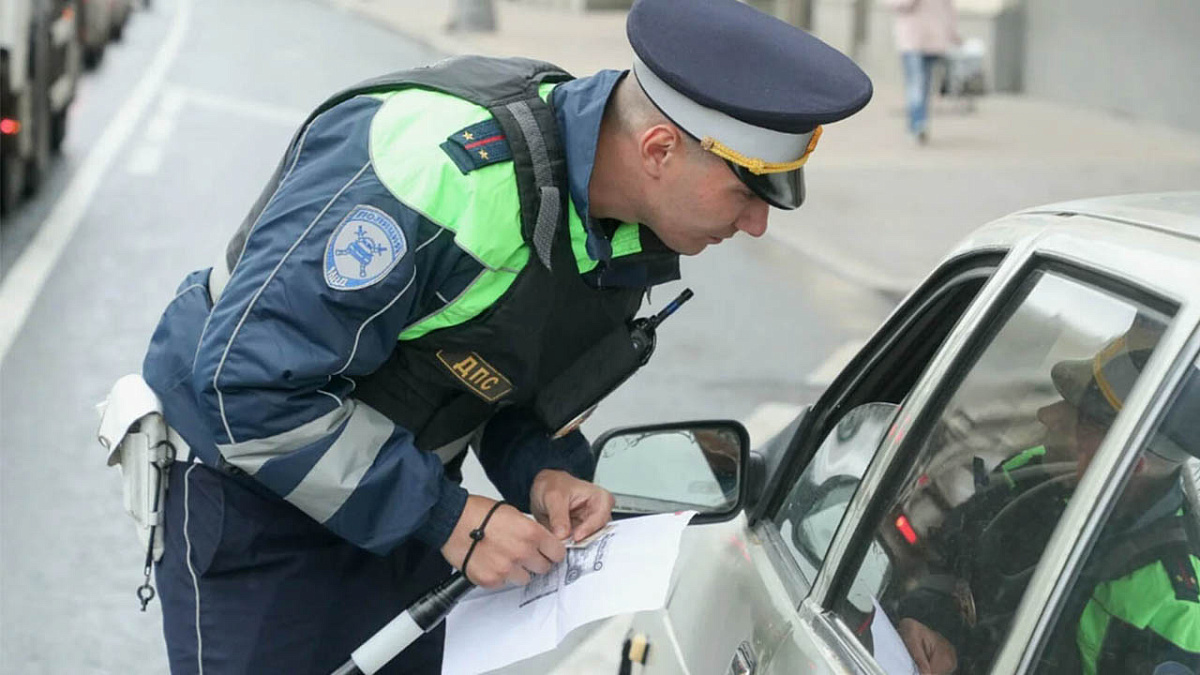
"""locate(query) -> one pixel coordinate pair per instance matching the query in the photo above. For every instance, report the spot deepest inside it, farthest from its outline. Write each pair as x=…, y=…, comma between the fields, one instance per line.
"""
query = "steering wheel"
x=1011, y=543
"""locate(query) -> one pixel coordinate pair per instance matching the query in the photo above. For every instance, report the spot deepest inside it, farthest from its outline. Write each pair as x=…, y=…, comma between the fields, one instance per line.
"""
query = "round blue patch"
x=366, y=245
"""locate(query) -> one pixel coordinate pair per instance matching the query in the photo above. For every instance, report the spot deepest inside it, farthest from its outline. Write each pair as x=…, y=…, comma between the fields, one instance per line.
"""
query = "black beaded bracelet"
x=477, y=535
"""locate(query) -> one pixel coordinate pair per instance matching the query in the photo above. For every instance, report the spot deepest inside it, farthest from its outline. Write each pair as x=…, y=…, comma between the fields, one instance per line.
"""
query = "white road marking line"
x=172, y=100
x=161, y=125
x=25, y=280
x=845, y=265
x=146, y=159
x=291, y=117
x=769, y=419
x=825, y=373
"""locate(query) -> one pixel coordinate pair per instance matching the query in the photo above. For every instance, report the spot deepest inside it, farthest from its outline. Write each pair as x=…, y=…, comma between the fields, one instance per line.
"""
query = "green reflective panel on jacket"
x=1019, y=460
x=627, y=240
x=481, y=208
x=1143, y=599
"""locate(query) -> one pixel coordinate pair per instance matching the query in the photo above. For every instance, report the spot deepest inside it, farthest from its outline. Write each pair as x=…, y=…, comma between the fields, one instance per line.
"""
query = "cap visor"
x=781, y=190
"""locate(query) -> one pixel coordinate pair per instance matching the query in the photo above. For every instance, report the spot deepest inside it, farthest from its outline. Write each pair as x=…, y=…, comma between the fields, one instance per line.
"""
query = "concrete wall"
x=1136, y=59
x=1140, y=59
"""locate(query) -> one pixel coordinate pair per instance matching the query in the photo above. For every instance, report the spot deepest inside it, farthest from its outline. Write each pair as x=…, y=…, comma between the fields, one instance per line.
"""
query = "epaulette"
x=1182, y=574
x=477, y=146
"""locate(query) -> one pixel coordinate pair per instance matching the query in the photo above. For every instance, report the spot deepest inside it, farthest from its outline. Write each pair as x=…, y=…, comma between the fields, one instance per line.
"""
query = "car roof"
x=1175, y=212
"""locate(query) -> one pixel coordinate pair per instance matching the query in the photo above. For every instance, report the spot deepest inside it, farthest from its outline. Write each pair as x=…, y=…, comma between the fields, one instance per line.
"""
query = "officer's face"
x=696, y=201
x=1070, y=435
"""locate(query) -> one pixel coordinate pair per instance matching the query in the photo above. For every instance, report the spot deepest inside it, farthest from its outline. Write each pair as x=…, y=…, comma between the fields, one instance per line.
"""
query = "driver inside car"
x=1136, y=606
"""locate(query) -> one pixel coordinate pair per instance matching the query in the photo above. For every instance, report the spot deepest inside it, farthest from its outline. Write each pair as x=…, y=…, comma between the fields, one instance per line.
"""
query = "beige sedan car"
x=1003, y=480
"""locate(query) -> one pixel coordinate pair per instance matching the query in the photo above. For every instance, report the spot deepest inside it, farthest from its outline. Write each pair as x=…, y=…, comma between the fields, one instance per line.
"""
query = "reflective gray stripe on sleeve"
x=335, y=476
x=251, y=455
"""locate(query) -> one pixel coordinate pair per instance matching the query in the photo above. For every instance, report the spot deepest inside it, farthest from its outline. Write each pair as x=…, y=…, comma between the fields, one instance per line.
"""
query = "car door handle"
x=744, y=661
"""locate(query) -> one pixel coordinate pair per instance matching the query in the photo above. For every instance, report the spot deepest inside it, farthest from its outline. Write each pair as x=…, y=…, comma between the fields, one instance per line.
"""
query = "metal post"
x=474, y=16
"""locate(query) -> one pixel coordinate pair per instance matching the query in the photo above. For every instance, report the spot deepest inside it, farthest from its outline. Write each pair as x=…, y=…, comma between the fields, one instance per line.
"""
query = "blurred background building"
x=1134, y=59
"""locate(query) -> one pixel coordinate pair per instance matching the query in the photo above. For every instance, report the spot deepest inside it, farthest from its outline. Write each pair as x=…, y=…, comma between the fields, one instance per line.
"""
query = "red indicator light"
x=9, y=126
x=905, y=528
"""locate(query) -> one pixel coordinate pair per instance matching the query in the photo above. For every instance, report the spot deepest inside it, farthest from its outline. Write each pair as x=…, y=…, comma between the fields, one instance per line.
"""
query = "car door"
x=971, y=438
x=732, y=602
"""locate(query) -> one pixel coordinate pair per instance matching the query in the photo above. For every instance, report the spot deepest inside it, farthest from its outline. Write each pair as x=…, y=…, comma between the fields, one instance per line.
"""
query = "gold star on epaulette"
x=468, y=136
x=483, y=154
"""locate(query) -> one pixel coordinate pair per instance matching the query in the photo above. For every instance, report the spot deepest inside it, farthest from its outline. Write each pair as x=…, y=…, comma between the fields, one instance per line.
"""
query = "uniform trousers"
x=250, y=584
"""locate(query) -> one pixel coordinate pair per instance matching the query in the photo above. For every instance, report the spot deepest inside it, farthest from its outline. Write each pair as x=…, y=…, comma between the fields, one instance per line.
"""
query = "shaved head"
x=635, y=112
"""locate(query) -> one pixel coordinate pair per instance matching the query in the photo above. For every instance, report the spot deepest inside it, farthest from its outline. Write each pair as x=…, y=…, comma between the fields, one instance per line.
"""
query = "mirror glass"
x=658, y=470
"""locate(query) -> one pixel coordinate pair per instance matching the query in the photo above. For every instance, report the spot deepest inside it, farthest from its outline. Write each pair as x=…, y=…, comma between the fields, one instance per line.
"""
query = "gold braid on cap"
x=755, y=165
x=1107, y=354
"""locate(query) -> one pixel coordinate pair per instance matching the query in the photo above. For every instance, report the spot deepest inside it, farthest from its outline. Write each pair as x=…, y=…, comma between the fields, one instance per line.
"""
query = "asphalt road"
x=170, y=142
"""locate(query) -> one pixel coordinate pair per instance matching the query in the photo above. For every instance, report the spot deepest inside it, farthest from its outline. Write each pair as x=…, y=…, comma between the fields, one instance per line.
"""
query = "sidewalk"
x=880, y=210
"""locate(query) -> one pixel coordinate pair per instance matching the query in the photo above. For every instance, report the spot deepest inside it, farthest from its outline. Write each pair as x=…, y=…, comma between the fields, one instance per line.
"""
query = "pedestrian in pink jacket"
x=925, y=30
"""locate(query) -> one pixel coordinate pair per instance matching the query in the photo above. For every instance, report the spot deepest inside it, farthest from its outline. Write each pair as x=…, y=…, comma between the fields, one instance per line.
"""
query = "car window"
x=881, y=374
x=1134, y=606
x=989, y=474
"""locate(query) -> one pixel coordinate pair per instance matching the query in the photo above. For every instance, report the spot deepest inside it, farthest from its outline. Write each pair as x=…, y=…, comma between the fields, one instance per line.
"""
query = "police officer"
x=436, y=249
x=1136, y=605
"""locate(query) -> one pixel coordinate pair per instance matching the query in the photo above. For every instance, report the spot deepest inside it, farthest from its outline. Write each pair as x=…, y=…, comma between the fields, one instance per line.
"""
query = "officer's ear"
x=661, y=147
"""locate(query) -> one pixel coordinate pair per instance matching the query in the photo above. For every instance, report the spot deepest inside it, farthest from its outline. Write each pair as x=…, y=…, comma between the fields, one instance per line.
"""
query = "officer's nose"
x=753, y=220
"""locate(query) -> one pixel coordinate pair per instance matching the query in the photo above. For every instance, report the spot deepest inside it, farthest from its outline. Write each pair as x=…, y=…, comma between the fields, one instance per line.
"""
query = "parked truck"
x=39, y=68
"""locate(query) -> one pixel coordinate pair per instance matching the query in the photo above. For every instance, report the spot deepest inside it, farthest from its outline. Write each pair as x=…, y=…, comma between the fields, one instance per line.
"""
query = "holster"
x=137, y=438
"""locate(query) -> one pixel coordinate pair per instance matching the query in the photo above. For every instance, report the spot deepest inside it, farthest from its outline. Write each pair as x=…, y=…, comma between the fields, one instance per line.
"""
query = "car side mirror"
x=663, y=468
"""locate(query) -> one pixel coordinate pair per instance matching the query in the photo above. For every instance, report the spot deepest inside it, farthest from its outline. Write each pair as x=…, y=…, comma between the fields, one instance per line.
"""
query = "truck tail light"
x=9, y=127
x=906, y=530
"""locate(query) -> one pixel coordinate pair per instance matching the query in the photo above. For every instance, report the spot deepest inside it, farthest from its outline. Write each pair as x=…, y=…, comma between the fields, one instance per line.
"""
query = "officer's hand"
x=570, y=507
x=932, y=653
x=513, y=545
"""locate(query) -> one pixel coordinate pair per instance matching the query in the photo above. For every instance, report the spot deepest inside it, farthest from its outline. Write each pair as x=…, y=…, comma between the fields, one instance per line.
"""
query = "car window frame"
x=956, y=356
x=978, y=265
x=835, y=401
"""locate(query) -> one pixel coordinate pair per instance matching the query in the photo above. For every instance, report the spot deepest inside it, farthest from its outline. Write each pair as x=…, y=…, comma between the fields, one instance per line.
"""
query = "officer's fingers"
x=518, y=575
x=509, y=538
x=595, y=514
x=552, y=549
x=487, y=569
x=536, y=563
x=557, y=513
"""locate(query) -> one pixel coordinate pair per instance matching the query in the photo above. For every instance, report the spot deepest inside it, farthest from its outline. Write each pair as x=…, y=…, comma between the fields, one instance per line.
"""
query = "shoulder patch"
x=477, y=146
x=363, y=248
x=478, y=375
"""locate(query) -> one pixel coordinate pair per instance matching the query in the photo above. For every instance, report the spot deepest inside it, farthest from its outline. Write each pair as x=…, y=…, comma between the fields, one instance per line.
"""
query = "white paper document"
x=626, y=569
x=890, y=652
